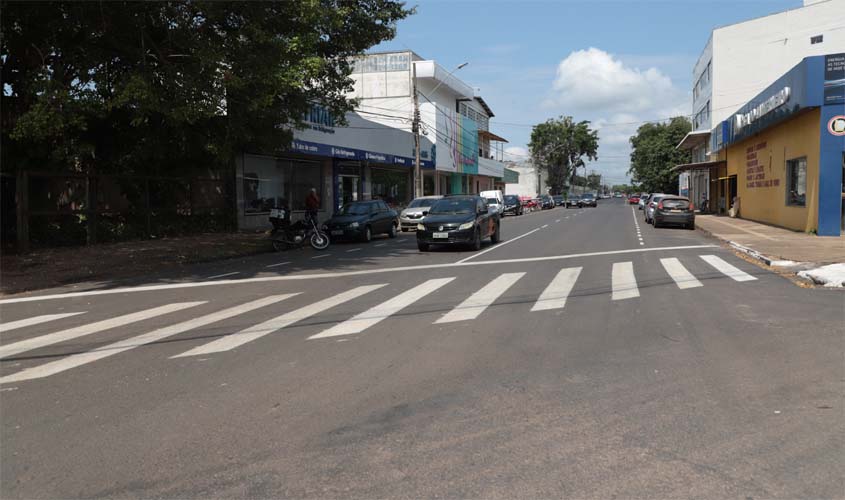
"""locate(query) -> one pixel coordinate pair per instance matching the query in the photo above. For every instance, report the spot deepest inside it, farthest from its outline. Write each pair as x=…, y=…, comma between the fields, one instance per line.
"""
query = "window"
x=816, y=39
x=796, y=182
x=270, y=182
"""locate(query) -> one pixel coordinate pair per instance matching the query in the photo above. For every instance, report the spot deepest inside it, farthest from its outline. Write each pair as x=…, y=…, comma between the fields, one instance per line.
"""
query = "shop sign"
x=755, y=171
x=317, y=149
x=836, y=125
x=834, y=78
x=320, y=119
x=772, y=103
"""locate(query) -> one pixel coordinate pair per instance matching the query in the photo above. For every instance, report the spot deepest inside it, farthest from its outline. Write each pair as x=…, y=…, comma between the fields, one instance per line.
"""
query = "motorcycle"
x=286, y=235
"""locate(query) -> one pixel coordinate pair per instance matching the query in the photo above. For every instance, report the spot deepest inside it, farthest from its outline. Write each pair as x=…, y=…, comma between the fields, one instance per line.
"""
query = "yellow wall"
x=771, y=149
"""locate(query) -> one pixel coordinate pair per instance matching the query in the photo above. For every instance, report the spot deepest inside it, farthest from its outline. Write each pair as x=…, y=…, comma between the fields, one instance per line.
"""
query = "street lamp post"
x=415, y=127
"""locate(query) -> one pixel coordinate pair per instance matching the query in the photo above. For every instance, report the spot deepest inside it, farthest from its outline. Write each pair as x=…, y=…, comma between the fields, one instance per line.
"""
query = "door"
x=348, y=189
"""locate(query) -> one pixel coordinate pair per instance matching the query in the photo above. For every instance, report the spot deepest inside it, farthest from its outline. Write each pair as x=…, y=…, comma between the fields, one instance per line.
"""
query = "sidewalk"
x=774, y=242
x=62, y=266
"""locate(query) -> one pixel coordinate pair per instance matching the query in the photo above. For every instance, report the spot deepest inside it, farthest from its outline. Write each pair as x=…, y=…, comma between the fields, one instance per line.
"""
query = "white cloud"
x=516, y=153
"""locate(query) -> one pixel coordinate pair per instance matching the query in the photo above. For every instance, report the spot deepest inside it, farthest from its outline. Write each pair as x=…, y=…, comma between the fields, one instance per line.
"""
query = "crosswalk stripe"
x=374, y=315
x=255, y=332
x=677, y=271
x=36, y=320
x=623, y=281
x=555, y=295
x=81, y=331
x=476, y=303
x=80, y=359
x=727, y=269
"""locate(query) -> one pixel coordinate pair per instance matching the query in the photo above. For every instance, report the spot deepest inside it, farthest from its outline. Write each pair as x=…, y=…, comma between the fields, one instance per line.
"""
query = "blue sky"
x=533, y=60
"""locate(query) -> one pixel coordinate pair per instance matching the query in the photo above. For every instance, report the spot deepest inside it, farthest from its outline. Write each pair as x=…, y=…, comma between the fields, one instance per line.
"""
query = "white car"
x=495, y=200
x=413, y=213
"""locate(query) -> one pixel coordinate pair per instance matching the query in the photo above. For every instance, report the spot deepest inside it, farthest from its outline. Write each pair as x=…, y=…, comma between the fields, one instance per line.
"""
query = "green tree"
x=560, y=146
x=152, y=87
x=654, y=155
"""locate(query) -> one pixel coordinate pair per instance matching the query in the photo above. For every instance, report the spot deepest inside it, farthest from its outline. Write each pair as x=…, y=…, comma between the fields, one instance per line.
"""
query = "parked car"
x=643, y=199
x=573, y=201
x=589, y=200
x=547, y=202
x=513, y=205
x=361, y=220
x=650, y=204
x=633, y=199
x=529, y=203
x=674, y=210
x=495, y=200
x=559, y=200
x=458, y=220
x=413, y=213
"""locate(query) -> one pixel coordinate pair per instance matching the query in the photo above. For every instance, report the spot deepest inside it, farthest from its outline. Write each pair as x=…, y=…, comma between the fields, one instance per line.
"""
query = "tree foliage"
x=152, y=86
x=560, y=146
x=654, y=155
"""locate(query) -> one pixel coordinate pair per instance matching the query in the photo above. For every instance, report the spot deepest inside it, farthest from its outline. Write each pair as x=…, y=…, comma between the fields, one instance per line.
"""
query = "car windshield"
x=675, y=203
x=493, y=201
x=355, y=209
x=574, y=197
x=512, y=199
x=589, y=196
x=453, y=206
x=421, y=202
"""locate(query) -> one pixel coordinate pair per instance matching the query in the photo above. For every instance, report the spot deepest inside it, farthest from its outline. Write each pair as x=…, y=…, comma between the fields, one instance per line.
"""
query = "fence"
x=61, y=209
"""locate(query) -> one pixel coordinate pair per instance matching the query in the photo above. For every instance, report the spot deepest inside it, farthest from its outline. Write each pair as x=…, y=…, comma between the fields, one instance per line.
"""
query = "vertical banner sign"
x=834, y=78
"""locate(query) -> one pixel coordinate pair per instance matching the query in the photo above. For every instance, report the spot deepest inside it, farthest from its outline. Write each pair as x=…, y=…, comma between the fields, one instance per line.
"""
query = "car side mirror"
x=425, y=212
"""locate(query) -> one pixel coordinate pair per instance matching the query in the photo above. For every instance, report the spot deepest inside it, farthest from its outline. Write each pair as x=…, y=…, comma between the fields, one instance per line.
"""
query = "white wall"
x=749, y=56
x=528, y=181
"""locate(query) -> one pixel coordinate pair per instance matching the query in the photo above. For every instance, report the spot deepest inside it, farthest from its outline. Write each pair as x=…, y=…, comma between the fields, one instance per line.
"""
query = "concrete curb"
x=754, y=254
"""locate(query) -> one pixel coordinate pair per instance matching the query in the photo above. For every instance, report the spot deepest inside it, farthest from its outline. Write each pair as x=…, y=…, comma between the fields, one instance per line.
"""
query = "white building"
x=532, y=181
x=742, y=59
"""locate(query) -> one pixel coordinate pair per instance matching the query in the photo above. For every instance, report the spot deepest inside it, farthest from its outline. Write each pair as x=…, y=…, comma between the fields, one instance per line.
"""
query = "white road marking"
x=376, y=314
x=727, y=269
x=544, y=226
x=342, y=274
x=320, y=256
x=624, y=282
x=353, y=250
x=679, y=273
x=83, y=358
x=35, y=320
x=500, y=245
x=279, y=264
x=222, y=275
x=557, y=220
x=240, y=338
x=381, y=244
x=476, y=303
x=81, y=331
x=555, y=295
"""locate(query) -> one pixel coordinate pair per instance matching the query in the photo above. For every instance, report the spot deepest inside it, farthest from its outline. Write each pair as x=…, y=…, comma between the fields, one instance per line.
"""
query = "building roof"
x=491, y=136
x=693, y=139
x=486, y=107
x=699, y=166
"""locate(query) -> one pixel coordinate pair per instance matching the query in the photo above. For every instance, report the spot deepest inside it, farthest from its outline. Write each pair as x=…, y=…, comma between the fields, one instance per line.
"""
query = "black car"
x=559, y=200
x=547, y=202
x=674, y=210
x=361, y=220
x=513, y=205
x=573, y=201
x=458, y=220
x=589, y=200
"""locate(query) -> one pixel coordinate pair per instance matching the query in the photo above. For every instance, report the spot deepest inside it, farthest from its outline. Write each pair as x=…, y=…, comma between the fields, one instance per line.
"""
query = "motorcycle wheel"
x=319, y=241
x=279, y=245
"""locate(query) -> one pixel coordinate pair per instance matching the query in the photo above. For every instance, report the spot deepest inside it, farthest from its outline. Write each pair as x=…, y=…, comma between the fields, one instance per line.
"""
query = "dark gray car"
x=674, y=210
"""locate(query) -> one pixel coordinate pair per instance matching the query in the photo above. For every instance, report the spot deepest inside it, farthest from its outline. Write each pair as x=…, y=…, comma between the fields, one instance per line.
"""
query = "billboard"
x=834, y=78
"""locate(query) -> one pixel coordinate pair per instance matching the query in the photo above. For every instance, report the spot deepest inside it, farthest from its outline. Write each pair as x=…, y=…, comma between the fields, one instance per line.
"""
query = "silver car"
x=413, y=213
x=650, y=205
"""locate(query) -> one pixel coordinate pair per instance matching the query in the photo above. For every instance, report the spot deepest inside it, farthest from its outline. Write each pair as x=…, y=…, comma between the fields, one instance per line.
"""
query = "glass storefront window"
x=392, y=186
x=796, y=182
x=270, y=182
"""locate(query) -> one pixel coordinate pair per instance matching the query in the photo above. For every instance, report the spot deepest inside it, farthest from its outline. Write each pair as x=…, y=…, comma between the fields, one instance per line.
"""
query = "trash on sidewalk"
x=832, y=276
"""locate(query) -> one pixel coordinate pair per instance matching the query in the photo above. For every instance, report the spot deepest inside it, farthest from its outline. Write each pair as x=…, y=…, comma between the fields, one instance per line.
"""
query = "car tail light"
x=691, y=207
x=660, y=206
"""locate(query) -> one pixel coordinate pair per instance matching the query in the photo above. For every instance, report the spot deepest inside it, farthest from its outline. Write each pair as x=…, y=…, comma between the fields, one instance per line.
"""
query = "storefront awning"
x=693, y=139
x=490, y=136
x=699, y=166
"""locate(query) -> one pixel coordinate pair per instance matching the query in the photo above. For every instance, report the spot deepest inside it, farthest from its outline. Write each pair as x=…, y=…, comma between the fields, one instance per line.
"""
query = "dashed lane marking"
x=223, y=275
x=279, y=264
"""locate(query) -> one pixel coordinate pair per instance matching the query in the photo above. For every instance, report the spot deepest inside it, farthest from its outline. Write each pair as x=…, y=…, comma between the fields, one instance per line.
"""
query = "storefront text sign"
x=772, y=103
x=755, y=172
x=834, y=78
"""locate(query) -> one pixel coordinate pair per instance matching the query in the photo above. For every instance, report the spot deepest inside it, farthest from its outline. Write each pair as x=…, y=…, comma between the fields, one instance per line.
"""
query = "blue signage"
x=313, y=148
x=834, y=78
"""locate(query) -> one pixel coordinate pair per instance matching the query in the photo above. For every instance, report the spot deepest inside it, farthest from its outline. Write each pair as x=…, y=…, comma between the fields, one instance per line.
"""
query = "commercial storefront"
x=785, y=150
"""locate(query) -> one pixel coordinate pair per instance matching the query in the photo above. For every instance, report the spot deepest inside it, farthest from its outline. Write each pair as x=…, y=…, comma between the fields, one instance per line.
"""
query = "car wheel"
x=392, y=232
x=476, y=243
x=691, y=226
x=497, y=234
x=423, y=247
x=655, y=223
x=368, y=234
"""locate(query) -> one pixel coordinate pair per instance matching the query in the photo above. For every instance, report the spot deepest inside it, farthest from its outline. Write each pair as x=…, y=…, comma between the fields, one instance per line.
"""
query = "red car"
x=529, y=203
x=633, y=199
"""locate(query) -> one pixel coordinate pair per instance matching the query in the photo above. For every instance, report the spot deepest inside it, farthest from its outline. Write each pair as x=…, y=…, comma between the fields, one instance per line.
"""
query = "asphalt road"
x=587, y=355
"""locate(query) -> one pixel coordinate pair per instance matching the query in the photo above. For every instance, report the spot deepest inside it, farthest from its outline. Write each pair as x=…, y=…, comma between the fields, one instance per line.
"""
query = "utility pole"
x=418, y=190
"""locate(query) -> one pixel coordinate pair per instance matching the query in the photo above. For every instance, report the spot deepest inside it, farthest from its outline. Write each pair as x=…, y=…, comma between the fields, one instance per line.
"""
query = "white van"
x=495, y=200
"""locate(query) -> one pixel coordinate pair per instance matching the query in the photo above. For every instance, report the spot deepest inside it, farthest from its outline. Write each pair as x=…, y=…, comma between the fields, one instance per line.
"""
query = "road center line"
x=500, y=245
x=279, y=264
x=222, y=275
x=304, y=277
